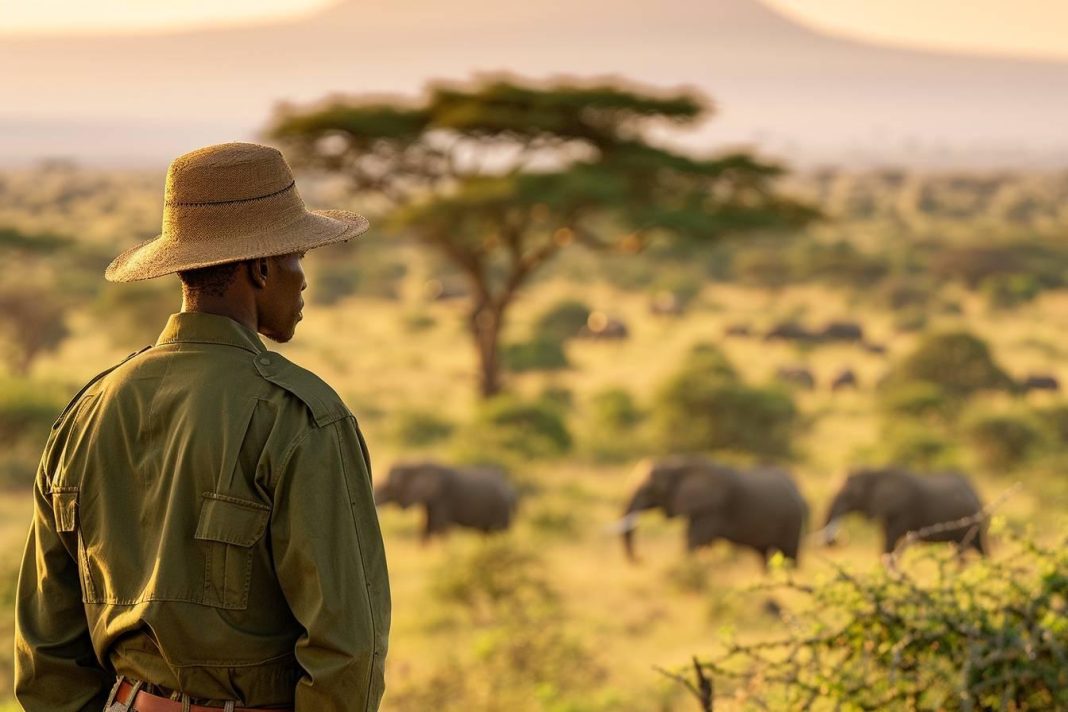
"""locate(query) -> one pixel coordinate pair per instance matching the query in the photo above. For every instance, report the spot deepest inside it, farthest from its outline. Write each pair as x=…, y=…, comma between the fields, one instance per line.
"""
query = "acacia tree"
x=500, y=175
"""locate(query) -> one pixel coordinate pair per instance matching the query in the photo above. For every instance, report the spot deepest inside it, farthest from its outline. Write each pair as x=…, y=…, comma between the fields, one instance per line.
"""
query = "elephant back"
x=483, y=498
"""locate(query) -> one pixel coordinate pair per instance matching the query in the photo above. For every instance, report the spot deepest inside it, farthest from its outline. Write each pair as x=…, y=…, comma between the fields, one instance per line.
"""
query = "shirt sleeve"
x=331, y=566
x=56, y=668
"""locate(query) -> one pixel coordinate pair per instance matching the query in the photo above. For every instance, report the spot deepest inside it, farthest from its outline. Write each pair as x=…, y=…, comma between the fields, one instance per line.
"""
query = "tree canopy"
x=500, y=174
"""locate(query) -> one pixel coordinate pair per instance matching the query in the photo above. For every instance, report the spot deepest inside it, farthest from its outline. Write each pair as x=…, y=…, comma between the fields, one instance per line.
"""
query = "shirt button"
x=264, y=360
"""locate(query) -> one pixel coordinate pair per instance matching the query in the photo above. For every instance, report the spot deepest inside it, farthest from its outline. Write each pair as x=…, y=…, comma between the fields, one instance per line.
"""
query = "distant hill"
x=793, y=91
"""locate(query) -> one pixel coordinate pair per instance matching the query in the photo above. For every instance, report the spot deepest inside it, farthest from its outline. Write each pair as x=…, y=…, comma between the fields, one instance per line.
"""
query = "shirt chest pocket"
x=227, y=532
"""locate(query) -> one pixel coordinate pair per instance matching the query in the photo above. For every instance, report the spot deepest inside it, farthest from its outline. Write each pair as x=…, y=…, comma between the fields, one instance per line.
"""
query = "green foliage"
x=1011, y=290
x=499, y=227
x=137, y=312
x=420, y=428
x=913, y=444
x=958, y=362
x=538, y=354
x=993, y=636
x=506, y=428
x=32, y=322
x=611, y=425
x=919, y=400
x=27, y=411
x=562, y=320
x=704, y=407
x=523, y=657
x=1003, y=440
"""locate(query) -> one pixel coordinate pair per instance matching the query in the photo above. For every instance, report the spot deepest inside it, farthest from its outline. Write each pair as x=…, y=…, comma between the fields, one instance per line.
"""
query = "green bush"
x=918, y=400
x=915, y=444
x=957, y=362
x=1010, y=290
x=1055, y=419
x=991, y=637
x=505, y=429
x=27, y=411
x=611, y=425
x=523, y=657
x=561, y=321
x=137, y=312
x=419, y=428
x=538, y=354
x=1003, y=441
x=703, y=407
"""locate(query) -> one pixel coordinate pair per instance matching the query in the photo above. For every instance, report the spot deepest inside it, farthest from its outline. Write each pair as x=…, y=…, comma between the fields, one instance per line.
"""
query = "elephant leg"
x=893, y=532
x=437, y=522
x=700, y=530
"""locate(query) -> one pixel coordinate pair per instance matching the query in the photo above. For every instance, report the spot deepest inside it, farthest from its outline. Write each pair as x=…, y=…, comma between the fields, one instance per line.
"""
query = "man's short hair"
x=212, y=280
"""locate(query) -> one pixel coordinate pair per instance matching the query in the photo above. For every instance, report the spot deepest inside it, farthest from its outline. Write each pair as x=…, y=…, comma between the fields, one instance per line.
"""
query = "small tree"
x=500, y=175
x=32, y=322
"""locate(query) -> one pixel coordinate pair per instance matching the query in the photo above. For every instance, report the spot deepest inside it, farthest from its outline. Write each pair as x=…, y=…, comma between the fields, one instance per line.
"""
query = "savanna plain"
x=550, y=615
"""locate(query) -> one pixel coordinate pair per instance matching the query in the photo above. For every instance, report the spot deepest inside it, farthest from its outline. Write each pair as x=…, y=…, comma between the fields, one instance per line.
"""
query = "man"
x=204, y=531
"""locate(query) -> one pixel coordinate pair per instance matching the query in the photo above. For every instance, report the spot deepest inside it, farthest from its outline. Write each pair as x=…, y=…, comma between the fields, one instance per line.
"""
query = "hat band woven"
x=216, y=223
x=178, y=203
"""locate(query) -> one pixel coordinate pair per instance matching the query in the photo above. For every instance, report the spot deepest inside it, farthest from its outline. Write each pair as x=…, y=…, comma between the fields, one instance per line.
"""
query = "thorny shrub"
x=929, y=635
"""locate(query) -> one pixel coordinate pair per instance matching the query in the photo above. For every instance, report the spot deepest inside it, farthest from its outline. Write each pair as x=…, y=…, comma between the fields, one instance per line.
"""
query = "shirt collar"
x=200, y=327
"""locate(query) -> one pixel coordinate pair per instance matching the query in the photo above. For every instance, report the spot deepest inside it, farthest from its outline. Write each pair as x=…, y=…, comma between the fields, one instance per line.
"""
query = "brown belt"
x=144, y=702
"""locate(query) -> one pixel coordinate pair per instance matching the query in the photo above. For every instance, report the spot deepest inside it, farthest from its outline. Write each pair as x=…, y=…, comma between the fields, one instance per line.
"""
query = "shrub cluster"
x=705, y=407
x=992, y=636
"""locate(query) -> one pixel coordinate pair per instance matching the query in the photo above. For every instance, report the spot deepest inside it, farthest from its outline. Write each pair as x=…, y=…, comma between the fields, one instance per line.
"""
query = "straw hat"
x=231, y=202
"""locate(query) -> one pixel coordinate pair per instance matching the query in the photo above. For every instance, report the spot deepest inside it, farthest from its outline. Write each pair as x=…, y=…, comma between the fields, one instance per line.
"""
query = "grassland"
x=625, y=619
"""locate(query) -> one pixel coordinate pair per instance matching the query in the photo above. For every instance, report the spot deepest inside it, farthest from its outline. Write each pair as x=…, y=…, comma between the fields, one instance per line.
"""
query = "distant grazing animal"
x=738, y=330
x=845, y=379
x=666, y=303
x=759, y=509
x=902, y=501
x=873, y=348
x=600, y=326
x=439, y=291
x=841, y=331
x=796, y=376
x=1040, y=382
x=789, y=331
x=477, y=498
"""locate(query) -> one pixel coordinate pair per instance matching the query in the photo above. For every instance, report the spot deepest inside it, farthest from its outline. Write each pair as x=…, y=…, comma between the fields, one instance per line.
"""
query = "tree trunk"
x=485, y=327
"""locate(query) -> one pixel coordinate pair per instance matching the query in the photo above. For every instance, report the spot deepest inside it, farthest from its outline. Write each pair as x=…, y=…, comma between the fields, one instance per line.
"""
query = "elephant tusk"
x=627, y=524
x=830, y=532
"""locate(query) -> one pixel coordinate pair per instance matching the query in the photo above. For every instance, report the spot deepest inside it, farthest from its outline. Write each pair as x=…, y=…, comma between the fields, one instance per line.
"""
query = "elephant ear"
x=700, y=491
x=425, y=485
x=892, y=496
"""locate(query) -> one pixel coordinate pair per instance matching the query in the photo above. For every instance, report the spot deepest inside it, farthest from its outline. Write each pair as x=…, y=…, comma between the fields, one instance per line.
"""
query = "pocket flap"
x=65, y=506
x=231, y=521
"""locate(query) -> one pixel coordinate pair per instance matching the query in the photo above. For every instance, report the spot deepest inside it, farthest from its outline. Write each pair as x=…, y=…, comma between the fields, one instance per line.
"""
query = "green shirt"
x=204, y=521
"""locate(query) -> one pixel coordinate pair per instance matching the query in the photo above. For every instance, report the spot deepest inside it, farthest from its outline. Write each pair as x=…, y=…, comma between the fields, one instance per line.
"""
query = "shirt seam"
x=243, y=347
x=363, y=569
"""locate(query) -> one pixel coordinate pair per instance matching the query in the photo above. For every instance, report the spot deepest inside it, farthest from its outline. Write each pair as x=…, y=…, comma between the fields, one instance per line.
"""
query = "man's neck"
x=221, y=306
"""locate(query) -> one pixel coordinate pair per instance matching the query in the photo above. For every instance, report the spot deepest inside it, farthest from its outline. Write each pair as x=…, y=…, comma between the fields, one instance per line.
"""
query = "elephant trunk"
x=839, y=508
x=639, y=502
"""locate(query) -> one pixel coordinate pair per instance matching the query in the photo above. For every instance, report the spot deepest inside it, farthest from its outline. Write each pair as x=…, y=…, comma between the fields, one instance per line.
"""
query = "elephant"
x=477, y=498
x=904, y=502
x=798, y=376
x=760, y=509
x=1040, y=382
x=846, y=378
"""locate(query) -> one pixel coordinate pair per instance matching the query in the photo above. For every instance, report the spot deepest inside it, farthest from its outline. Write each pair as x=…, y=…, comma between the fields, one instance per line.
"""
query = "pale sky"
x=1031, y=28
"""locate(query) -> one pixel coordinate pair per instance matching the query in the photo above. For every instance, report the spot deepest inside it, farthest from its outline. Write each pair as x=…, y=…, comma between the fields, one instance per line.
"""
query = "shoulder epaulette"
x=93, y=380
x=324, y=403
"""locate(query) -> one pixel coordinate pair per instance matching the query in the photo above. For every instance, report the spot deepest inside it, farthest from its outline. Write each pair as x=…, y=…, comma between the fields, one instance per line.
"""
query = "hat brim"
x=159, y=256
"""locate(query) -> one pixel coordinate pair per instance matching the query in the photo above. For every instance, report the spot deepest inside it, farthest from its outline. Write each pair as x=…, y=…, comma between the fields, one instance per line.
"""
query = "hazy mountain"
x=794, y=91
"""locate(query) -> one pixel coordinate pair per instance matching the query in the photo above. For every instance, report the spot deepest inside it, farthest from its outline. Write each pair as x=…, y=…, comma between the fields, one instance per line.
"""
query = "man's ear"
x=258, y=271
